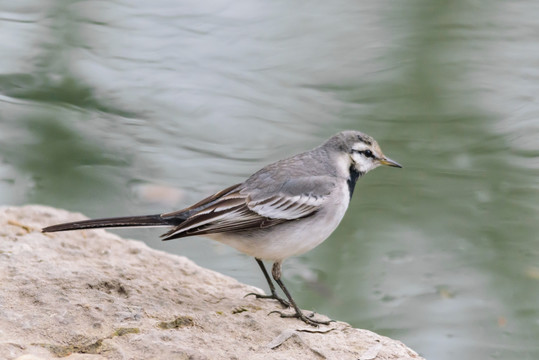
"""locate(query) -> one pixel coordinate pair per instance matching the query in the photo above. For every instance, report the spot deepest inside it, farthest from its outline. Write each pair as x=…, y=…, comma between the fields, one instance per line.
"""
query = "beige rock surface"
x=93, y=295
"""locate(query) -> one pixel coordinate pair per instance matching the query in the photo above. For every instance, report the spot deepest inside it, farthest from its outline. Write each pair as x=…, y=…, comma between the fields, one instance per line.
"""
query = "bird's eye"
x=367, y=153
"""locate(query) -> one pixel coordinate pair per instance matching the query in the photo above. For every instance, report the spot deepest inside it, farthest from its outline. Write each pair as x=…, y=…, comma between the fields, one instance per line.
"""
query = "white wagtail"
x=287, y=208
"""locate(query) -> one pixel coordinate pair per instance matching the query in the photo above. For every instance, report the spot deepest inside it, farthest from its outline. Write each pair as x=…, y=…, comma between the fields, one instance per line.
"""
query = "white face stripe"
x=363, y=163
x=360, y=146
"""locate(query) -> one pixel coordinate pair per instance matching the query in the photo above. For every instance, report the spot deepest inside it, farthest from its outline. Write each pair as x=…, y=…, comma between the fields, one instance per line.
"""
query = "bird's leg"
x=276, y=272
x=271, y=286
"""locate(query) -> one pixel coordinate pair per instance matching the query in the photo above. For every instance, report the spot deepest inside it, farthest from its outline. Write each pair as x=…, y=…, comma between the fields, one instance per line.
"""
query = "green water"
x=115, y=108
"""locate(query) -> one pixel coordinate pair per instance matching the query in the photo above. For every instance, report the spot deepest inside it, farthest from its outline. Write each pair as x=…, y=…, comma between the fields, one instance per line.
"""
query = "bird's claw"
x=306, y=319
x=283, y=302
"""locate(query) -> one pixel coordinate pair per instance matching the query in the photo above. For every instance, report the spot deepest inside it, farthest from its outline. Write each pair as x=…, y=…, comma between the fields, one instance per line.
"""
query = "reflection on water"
x=108, y=107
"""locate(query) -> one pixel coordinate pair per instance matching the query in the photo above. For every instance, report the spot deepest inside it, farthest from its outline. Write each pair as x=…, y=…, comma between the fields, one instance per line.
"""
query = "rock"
x=93, y=295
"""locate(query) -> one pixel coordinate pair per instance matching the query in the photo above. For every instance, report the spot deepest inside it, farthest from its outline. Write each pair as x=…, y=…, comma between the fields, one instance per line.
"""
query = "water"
x=132, y=107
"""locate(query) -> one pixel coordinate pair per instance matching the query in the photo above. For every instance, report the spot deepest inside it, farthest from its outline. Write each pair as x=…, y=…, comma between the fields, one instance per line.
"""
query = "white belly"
x=291, y=238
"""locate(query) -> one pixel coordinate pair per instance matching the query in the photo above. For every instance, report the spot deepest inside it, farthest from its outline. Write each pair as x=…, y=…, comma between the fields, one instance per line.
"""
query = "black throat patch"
x=354, y=175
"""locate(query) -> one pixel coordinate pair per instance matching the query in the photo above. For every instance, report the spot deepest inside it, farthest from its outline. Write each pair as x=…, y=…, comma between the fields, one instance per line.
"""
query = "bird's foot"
x=306, y=319
x=273, y=296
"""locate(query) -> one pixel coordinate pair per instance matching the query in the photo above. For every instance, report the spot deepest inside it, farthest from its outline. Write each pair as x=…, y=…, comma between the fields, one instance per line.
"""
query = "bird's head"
x=364, y=152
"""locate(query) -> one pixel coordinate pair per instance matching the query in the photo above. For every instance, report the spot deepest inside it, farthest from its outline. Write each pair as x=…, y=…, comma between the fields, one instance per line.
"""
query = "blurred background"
x=131, y=107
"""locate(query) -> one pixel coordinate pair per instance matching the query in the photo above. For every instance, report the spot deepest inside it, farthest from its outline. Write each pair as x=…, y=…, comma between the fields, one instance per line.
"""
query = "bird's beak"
x=387, y=161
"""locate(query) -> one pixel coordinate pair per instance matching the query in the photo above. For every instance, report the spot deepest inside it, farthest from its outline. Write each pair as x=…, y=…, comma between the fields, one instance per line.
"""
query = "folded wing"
x=234, y=210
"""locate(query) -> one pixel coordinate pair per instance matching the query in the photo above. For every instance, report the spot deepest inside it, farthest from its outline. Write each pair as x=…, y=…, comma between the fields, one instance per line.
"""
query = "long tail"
x=127, y=221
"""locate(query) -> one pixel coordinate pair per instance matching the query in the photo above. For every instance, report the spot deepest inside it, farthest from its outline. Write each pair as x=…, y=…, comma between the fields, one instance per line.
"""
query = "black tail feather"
x=127, y=221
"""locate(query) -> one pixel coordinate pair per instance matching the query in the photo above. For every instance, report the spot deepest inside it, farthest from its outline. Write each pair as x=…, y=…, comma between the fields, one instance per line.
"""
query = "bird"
x=285, y=209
